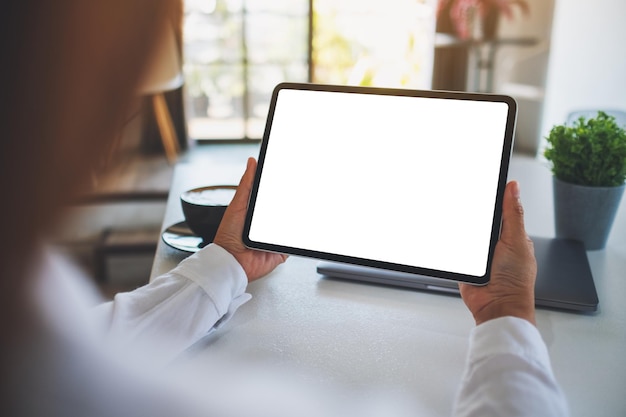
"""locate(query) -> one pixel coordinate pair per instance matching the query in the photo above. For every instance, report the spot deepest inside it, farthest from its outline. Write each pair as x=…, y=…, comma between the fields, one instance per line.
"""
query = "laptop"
x=564, y=278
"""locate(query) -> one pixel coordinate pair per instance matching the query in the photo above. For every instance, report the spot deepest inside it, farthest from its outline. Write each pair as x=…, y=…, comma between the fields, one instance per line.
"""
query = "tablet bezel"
x=496, y=220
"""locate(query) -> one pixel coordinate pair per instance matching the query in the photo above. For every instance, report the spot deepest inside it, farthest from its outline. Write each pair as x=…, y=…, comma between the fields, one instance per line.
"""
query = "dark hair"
x=69, y=71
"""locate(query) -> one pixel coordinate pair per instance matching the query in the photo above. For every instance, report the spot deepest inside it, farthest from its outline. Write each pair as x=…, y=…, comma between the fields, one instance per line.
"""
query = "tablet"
x=406, y=180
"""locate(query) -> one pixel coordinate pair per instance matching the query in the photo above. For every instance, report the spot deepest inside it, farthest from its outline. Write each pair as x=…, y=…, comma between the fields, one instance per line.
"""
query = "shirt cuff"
x=219, y=274
x=508, y=335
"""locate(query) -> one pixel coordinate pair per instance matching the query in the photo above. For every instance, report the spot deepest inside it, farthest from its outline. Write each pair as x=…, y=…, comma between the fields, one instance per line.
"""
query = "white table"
x=368, y=336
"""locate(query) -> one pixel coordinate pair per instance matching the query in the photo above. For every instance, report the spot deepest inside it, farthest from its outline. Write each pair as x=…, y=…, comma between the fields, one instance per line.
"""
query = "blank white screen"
x=406, y=180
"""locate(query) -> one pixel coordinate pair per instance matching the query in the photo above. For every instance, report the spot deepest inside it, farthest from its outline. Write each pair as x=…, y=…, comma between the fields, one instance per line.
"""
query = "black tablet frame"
x=501, y=183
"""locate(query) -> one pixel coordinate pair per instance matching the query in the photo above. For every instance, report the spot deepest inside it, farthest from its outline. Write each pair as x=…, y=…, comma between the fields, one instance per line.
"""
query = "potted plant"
x=462, y=14
x=588, y=162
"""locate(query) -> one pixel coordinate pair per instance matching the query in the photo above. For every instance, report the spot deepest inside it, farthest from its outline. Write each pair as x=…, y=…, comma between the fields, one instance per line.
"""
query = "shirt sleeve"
x=176, y=309
x=508, y=373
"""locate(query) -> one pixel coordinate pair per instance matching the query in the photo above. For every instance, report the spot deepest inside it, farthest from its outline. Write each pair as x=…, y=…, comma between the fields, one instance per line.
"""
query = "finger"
x=245, y=184
x=513, y=228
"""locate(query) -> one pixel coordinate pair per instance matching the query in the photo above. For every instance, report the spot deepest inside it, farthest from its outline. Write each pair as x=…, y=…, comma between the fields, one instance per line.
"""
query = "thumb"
x=513, y=228
x=245, y=184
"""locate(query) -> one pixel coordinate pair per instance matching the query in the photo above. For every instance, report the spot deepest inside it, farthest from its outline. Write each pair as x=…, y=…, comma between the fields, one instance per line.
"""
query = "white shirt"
x=508, y=373
x=193, y=299
x=111, y=360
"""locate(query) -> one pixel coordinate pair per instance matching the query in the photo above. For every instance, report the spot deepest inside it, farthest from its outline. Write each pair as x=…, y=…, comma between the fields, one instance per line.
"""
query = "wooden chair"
x=165, y=74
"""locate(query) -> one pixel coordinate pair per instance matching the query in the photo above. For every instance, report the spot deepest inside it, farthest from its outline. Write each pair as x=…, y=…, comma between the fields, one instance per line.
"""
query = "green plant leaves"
x=590, y=152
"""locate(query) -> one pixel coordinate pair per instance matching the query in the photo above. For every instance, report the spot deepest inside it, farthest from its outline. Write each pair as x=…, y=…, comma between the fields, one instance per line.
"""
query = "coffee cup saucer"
x=179, y=236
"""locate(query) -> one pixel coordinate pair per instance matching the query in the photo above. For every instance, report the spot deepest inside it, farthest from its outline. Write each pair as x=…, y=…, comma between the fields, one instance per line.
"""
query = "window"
x=236, y=51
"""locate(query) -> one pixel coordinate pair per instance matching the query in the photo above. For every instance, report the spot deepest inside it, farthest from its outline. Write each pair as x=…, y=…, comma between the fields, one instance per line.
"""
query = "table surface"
x=370, y=336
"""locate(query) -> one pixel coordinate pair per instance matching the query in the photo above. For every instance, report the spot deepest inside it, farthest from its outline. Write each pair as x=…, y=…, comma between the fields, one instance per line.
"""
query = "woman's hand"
x=255, y=263
x=511, y=288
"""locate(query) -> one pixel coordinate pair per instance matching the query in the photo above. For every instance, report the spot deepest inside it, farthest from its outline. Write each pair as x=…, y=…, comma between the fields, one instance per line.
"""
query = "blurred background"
x=224, y=57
